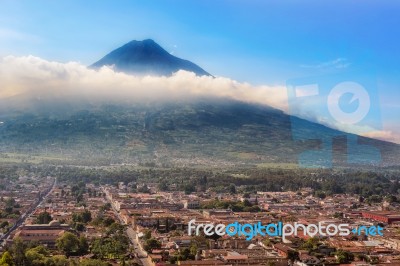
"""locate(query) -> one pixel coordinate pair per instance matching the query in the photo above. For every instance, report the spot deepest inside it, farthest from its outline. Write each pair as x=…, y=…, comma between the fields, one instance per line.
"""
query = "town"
x=46, y=221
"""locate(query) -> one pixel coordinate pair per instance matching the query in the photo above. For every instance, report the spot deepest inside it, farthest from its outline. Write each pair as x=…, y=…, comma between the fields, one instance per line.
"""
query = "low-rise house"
x=44, y=234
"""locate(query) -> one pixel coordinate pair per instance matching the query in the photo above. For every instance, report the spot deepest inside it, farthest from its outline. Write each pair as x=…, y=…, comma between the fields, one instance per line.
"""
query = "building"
x=191, y=204
x=217, y=213
x=283, y=250
x=382, y=216
x=44, y=234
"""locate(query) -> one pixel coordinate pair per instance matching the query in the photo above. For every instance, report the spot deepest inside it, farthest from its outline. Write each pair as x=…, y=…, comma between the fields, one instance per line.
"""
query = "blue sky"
x=260, y=42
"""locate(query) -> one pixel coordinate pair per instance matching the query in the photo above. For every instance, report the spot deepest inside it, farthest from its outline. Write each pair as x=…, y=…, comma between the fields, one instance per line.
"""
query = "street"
x=138, y=250
x=141, y=254
x=23, y=217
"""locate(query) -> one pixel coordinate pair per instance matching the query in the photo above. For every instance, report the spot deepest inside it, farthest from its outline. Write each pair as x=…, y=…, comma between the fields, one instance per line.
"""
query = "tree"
x=247, y=203
x=10, y=202
x=199, y=241
x=338, y=215
x=111, y=246
x=391, y=198
x=293, y=255
x=86, y=216
x=144, y=189
x=205, y=180
x=6, y=259
x=79, y=198
x=43, y=218
x=311, y=244
x=320, y=194
x=108, y=221
x=167, y=224
x=185, y=253
x=79, y=227
x=344, y=257
x=76, y=217
x=189, y=188
x=163, y=186
x=115, y=229
x=193, y=250
x=105, y=207
x=266, y=242
x=147, y=235
x=36, y=255
x=4, y=224
x=8, y=209
x=395, y=187
x=363, y=257
x=232, y=189
x=18, y=250
x=151, y=244
x=59, y=260
x=99, y=248
x=68, y=243
x=172, y=259
x=83, y=246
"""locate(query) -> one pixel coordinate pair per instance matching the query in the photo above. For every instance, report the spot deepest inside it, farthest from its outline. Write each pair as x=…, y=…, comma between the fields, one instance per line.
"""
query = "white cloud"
x=383, y=135
x=336, y=63
x=33, y=76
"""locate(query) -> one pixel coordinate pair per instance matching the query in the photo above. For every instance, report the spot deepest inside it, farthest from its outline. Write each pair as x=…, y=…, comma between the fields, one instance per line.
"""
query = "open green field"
x=34, y=159
x=278, y=165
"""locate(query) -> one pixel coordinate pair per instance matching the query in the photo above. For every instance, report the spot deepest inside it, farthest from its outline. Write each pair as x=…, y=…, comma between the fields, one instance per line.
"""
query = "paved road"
x=139, y=252
x=23, y=217
x=142, y=255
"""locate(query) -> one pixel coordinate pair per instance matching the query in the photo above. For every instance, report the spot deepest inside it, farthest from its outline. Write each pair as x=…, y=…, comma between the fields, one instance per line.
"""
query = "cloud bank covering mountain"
x=35, y=77
x=26, y=78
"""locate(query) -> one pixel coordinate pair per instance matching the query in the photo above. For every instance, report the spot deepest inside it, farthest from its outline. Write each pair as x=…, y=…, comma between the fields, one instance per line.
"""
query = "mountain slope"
x=147, y=57
x=205, y=132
